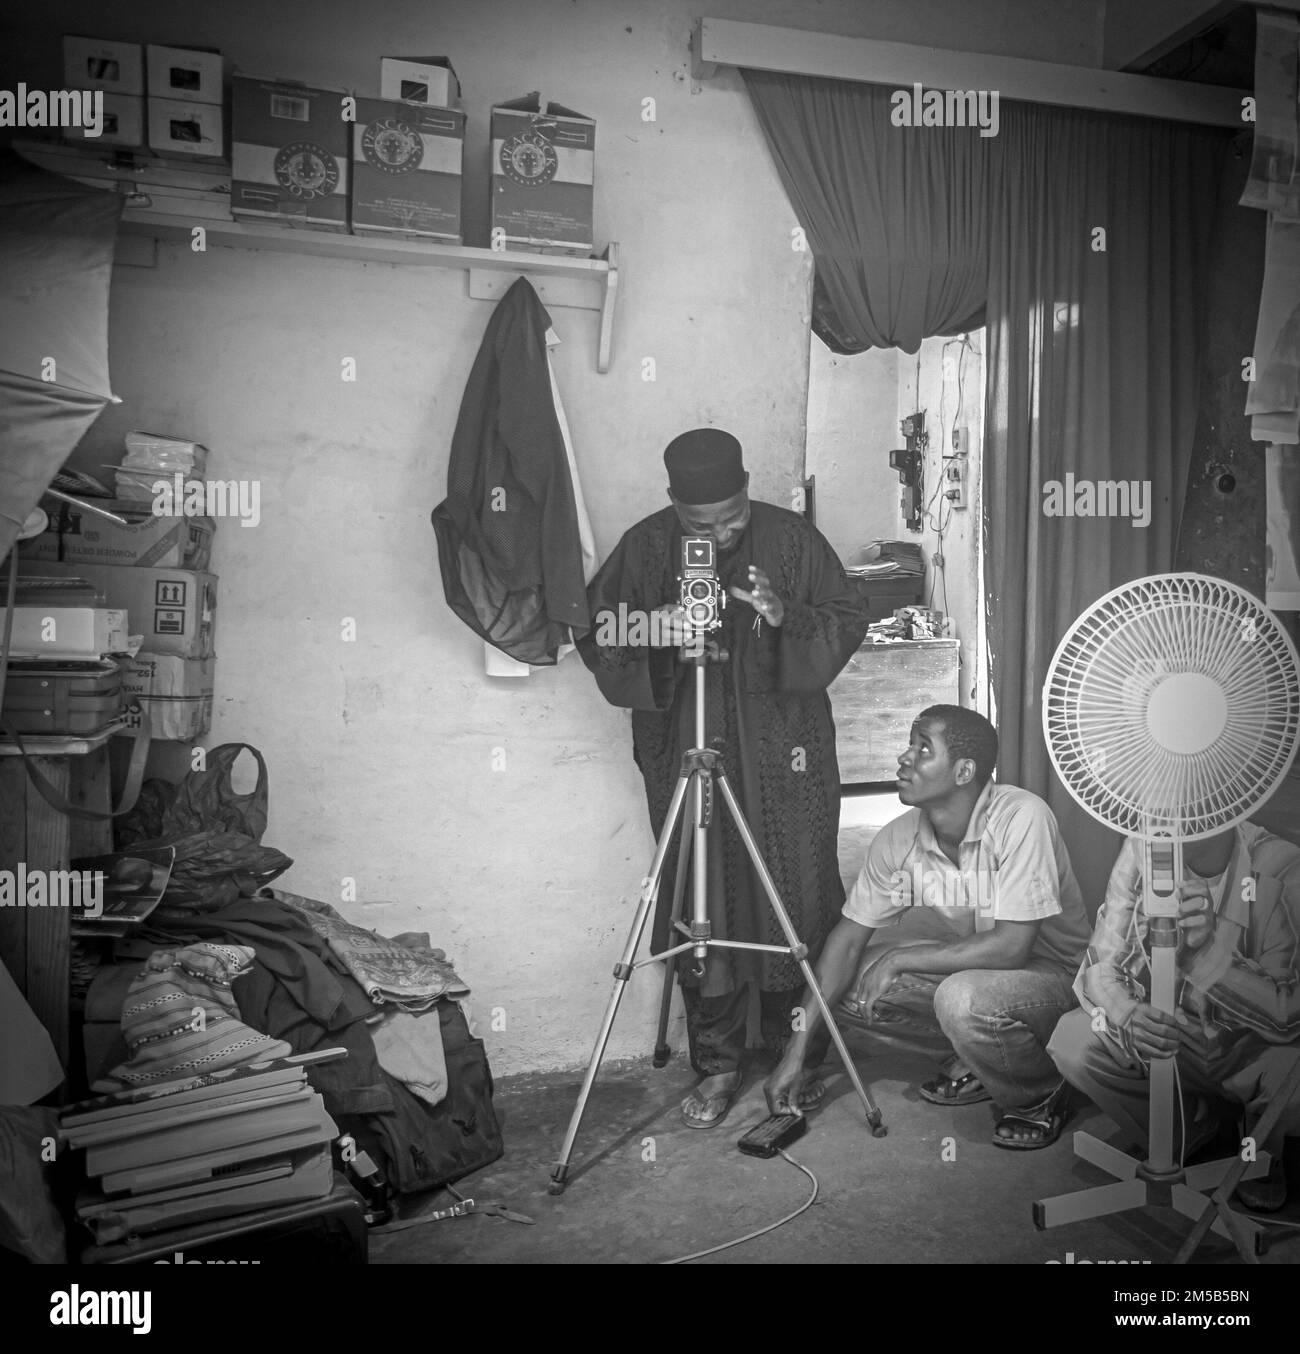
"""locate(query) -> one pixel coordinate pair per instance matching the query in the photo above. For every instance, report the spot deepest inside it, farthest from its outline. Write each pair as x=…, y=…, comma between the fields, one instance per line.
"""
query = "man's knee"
x=1071, y=1044
x=955, y=1003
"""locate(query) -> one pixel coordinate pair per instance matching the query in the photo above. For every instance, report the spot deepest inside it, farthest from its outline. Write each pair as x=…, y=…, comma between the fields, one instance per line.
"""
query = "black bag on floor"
x=421, y=1147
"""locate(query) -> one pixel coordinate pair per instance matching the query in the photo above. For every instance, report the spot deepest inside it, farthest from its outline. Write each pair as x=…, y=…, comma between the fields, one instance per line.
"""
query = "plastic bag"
x=216, y=833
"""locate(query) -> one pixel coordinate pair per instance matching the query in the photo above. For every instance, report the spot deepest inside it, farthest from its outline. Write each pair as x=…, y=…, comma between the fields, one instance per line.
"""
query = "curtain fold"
x=1099, y=230
x=895, y=217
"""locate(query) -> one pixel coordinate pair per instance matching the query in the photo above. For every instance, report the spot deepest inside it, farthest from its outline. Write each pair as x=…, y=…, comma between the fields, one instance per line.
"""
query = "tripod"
x=702, y=769
x=1160, y=1180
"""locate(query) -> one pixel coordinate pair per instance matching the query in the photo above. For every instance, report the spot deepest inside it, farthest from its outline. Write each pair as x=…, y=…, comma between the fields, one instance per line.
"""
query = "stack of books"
x=208, y=1147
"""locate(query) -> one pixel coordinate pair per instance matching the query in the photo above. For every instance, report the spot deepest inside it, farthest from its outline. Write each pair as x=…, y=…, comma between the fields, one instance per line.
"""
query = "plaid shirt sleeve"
x=1112, y=977
x=1249, y=972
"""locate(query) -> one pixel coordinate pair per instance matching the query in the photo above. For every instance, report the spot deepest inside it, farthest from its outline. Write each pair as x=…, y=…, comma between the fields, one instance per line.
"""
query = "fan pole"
x=1162, y=933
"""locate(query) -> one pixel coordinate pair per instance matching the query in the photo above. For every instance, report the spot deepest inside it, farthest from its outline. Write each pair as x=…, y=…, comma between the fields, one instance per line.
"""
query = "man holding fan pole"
x=1237, y=1020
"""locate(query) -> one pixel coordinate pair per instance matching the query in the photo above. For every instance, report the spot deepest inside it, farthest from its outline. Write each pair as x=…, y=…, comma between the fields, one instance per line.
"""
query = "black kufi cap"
x=704, y=466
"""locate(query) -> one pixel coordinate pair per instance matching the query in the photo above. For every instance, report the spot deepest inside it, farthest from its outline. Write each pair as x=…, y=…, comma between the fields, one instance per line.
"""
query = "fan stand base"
x=1136, y=1186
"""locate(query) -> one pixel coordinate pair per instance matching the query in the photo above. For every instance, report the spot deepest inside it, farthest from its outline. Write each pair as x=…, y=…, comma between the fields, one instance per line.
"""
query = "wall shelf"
x=166, y=200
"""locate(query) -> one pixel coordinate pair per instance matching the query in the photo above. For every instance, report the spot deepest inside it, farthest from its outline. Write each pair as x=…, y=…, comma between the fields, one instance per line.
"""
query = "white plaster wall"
x=852, y=426
x=381, y=750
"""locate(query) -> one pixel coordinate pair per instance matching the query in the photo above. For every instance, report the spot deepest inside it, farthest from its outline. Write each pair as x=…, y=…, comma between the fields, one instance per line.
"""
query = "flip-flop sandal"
x=945, y=1090
x=723, y=1100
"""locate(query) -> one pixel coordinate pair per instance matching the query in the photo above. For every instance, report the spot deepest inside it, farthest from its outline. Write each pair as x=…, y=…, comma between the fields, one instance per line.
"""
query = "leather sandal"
x=946, y=1090
x=1047, y=1125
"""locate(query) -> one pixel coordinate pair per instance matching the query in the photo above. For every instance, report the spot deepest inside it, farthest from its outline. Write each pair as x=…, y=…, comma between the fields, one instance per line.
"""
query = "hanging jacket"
x=508, y=542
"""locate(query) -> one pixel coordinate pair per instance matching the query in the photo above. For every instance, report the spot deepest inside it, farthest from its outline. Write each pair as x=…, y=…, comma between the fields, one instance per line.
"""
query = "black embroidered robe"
x=769, y=706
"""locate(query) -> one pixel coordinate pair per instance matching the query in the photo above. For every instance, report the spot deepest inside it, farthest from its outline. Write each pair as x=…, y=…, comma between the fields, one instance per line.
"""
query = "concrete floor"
x=645, y=1189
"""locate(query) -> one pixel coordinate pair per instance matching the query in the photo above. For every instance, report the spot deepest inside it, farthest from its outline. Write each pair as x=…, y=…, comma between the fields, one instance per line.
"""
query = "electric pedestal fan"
x=1170, y=710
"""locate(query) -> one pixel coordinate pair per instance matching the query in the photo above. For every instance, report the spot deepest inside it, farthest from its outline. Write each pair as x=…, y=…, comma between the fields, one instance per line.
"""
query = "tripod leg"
x=622, y=972
x=662, y=1051
x=878, y=1130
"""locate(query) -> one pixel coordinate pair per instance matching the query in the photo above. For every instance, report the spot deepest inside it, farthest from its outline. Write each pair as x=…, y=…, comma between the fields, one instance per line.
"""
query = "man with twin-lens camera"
x=775, y=618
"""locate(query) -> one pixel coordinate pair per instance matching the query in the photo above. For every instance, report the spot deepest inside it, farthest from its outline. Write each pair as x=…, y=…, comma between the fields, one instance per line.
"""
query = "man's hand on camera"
x=761, y=597
x=671, y=630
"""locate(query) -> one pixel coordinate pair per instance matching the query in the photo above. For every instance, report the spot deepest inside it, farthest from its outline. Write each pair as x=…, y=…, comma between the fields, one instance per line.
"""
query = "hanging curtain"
x=895, y=217
x=1080, y=239
x=56, y=261
x=1099, y=232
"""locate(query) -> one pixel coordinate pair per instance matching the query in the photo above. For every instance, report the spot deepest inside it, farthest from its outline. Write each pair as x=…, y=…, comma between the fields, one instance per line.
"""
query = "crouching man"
x=1238, y=1009
x=984, y=929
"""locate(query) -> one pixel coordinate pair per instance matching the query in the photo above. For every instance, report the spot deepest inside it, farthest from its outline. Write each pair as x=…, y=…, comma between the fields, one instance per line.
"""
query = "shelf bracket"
x=598, y=292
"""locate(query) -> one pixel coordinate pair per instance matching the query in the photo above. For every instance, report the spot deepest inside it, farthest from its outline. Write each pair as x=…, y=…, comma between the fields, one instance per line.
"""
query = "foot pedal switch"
x=774, y=1133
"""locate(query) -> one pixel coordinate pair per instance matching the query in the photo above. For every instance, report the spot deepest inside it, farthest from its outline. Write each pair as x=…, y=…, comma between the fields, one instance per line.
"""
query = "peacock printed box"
x=543, y=177
x=406, y=170
x=289, y=153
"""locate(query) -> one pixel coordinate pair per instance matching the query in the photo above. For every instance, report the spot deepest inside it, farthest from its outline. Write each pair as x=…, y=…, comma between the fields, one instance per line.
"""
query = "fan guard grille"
x=1172, y=705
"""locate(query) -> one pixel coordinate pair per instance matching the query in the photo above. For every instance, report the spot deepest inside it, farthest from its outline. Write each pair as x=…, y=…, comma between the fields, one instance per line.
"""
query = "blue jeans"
x=998, y=1021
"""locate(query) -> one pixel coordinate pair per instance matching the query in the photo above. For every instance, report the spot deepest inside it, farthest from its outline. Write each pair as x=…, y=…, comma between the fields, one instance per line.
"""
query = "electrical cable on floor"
x=762, y=1231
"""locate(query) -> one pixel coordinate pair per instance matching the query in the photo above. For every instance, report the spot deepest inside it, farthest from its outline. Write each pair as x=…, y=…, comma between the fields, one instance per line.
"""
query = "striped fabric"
x=180, y=1018
x=1244, y=979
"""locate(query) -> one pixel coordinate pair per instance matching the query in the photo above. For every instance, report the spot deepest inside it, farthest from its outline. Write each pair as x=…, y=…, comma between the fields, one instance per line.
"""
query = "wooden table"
x=34, y=942
x=880, y=692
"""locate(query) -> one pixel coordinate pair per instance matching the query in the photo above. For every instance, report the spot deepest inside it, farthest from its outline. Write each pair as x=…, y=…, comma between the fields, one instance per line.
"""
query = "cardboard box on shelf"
x=289, y=149
x=67, y=632
x=174, y=609
x=174, y=694
x=428, y=80
x=543, y=176
x=123, y=124
x=100, y=63
x=183, y=73
x=406, y=170
x=77, y=536
x=180, y=128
